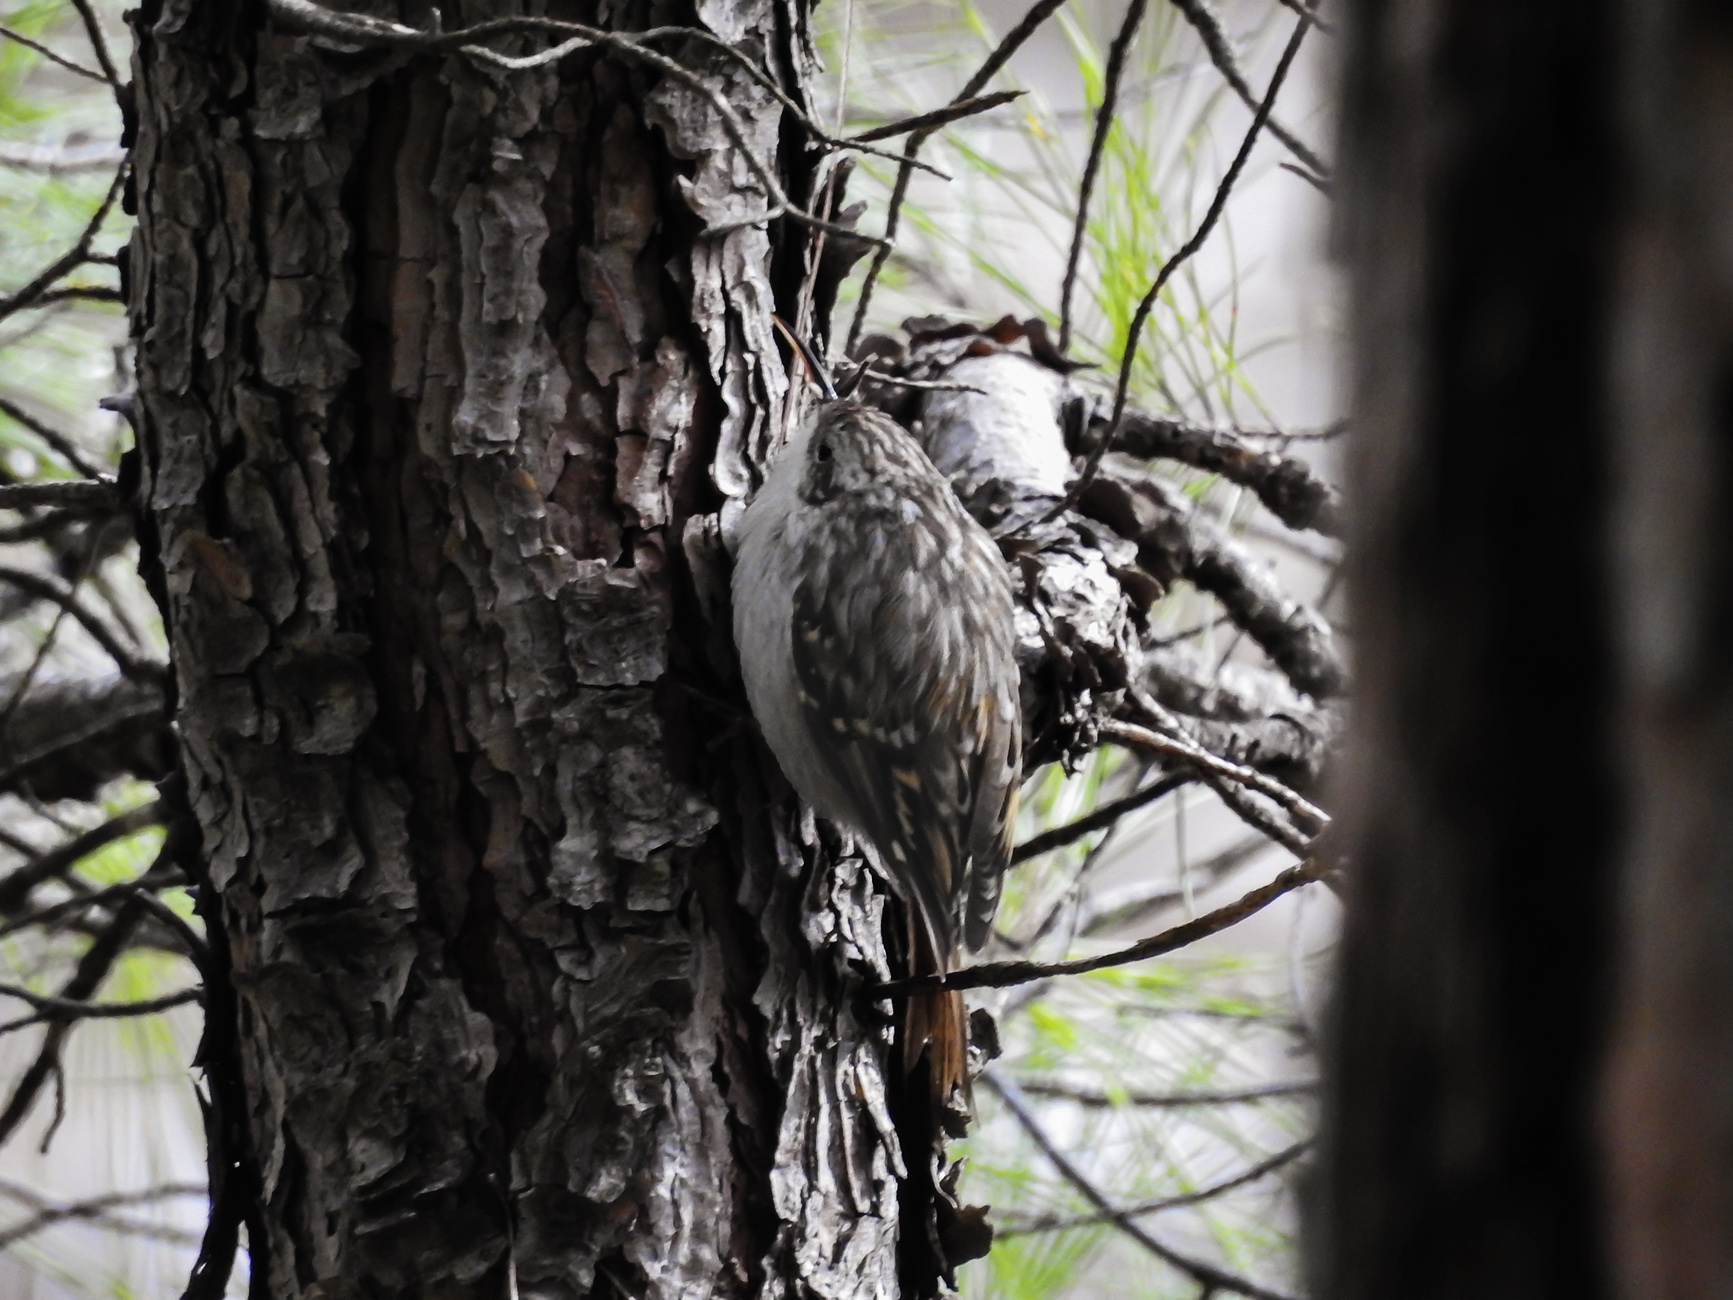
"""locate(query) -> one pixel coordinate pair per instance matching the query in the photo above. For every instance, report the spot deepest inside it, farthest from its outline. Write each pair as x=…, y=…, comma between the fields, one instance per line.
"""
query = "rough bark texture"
x=1459, y=1151
x=443, y=396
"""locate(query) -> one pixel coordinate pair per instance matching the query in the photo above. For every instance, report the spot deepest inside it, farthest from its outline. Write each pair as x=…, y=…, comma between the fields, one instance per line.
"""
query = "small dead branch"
x=1100, y=818
x=97, y=1210
x=98, y=496
x=1097, y=147
x=952, y=112
x=1210, y=1276
x=1102, y=1099
x=1290, y=489
x=1006, y=974
x=92, y=969
x=77, y=255
x=7, y=33
x=1037, y=14
x=16, y=886
x=44, y=587
x=1059, y=1223
x=1215, y=44
x=1128, y=358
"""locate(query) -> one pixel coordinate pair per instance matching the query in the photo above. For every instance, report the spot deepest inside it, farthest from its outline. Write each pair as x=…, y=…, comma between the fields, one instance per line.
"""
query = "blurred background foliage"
x=1178, y=1087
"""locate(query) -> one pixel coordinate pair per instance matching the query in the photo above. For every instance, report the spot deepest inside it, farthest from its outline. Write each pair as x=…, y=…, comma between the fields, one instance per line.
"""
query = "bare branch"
x=15, y=888
x=1249, y=809
x=43, y=587
x=1101, y=1098
x=59, y=160
x=1038, y=13
x=1169, y=527
x=9, y=34
x=61, y=1008
x=81, y=293
x=1289, y=488
x=1005, y=974
x=1098, y=819
x=1129, y=357
x=98, y=43
x=1308, y=12
x=92, y=969
x=96, y=496
x=68, y=738
x=61, y=444
x=1059, y=1223
x=73, y=257
x=44, y=525
x=1215, y=43
x=951, y=112
x=1209, y=1275
x=1097, y=147
x=96, y=1209
x=1172, y=742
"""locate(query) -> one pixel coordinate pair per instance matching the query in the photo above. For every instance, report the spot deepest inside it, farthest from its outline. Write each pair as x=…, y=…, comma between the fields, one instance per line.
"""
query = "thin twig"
x=1129, y=358
x=80, y=293
x=9, y=34
x=1097, y=148
x=1101, y=1098
x=92, y=969
x=1309, y=12
x=15, y=888
x=1059, y=836
x=48, y=1213
x=1215, y=43
x=1005, y=974
x=938, y=117
x=21, y=686
x=53, y=1008
x=59, y=160
x=1058, y=1223
x=1318, y=183
x=98, y=43
x=43, y=587
x=1038, y=13
x=74, y=256
x=923, y=385
x=41, y=526
x=89, y=496
x=1172, y=742
x=1209, y=1274
x=1290, y=489
x=1246, y=807
x=57, y=441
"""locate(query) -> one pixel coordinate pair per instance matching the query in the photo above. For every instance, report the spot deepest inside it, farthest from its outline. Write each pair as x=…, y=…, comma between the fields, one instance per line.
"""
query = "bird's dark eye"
x=823, y=453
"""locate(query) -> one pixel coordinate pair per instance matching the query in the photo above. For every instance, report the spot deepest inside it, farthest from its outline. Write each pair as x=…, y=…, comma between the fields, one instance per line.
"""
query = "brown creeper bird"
x=876, y=632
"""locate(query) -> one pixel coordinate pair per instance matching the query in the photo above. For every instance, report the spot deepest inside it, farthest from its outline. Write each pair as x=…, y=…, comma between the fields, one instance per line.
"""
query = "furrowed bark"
x=444, y=399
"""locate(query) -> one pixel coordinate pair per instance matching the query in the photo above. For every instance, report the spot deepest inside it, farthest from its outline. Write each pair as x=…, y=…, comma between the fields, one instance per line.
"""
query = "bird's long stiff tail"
x=936, y=1023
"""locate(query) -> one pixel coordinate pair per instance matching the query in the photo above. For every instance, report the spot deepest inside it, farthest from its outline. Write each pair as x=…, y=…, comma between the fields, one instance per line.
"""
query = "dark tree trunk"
x=1534, y=1028
x=1667, y=1118
x=443, y=393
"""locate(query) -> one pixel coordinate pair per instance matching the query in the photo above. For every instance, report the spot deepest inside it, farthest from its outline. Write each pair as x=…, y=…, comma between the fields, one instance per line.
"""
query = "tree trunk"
x=1459, y=1153
x=444, y=391
x=1534, y=1028
x=1668, y=1124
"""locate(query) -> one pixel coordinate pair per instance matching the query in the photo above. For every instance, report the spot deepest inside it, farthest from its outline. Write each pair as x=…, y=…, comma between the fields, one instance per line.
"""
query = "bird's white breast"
x=774, y=532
